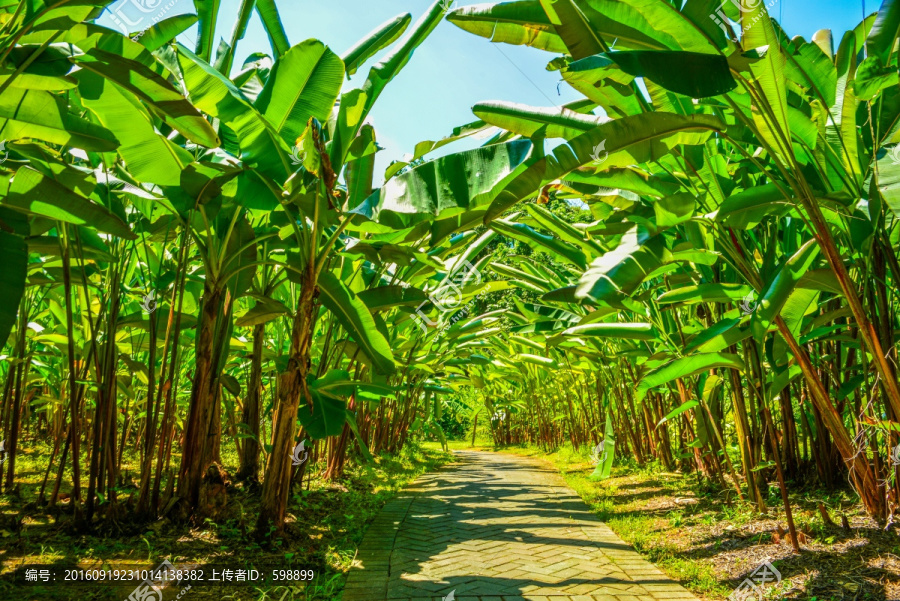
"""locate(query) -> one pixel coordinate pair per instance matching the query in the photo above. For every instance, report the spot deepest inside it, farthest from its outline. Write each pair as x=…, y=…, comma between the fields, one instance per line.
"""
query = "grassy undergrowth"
x=326, y=523
x=709, y=541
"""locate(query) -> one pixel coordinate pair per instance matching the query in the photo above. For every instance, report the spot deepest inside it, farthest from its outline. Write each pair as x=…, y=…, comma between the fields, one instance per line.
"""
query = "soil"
x=835, y=563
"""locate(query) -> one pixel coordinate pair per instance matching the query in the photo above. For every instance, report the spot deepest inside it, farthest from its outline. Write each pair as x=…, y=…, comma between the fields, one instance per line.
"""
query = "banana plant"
x=672, y=186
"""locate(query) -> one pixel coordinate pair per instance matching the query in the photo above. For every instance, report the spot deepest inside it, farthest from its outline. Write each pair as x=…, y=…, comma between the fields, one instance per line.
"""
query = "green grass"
x=325, y=526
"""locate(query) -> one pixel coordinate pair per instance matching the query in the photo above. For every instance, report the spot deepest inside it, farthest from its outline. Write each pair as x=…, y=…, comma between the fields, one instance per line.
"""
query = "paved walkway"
x=497, y=527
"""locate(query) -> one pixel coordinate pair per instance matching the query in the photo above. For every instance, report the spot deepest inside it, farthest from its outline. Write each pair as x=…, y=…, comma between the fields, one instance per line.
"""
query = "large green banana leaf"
x=261, y=145
x=779, y=288
x=165, y=31
x=617, y=331
x=572, y=25
x=378, y=39
x=629, y=141
x=692, y=74
x=747, y=208
x=531, y=282
x=40, y=115
x=357, y=104
x=304, y=83
x=153, y=89
x=357, y=320
x=524, y=120
x=444, y=187
x=207, y=14
x=684, y=368
x=705, y=293
x=13, y=273
x=149, y=156
x=622, y=270
x=264, y=311
x=528, y=22
x=384, y=297
x=268, y=12
x=328, y=413
x=557, y=248
x=883, y=35
x=34, y=193
x=689, y=29
x=565, y=231
x=516, y=23
x=49, y=16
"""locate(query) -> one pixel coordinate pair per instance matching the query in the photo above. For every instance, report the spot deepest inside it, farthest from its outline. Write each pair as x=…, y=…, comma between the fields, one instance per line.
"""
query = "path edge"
x=371, y=568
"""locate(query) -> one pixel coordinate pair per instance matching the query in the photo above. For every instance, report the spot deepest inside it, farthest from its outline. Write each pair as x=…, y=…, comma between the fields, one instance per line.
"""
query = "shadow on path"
x=498, y=527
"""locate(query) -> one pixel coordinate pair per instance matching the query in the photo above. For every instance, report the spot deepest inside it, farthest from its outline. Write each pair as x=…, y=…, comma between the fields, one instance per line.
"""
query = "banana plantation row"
x=697, y=259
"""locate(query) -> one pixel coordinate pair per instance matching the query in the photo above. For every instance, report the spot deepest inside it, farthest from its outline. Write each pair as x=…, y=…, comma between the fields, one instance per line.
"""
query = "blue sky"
x=453, y=70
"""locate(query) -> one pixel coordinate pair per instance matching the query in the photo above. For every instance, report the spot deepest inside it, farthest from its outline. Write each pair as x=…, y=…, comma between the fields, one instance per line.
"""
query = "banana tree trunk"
x=15, y=378
x=335, y=469
x=101, y=478
x=862, y=475
x=866, y=329
x=75, y=431
x=292, y=386
x=742, y=431
x=171, y=361
x=197, y=452
x=249, y=469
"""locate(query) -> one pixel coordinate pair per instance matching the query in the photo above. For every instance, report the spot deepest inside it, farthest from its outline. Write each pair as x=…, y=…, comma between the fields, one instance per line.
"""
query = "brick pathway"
x=497, y=527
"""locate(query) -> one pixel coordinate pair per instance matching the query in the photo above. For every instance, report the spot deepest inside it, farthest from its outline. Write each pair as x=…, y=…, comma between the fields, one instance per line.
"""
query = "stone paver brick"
x=498, y=528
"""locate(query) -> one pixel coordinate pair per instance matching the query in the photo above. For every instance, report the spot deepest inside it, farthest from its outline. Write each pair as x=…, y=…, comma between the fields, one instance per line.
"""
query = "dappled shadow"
x=849, y=571
x=498, y=526
x=483, y=527
x=835, y=563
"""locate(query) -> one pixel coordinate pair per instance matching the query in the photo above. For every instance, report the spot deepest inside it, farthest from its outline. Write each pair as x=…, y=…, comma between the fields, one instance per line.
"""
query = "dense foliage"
x=196, y=255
